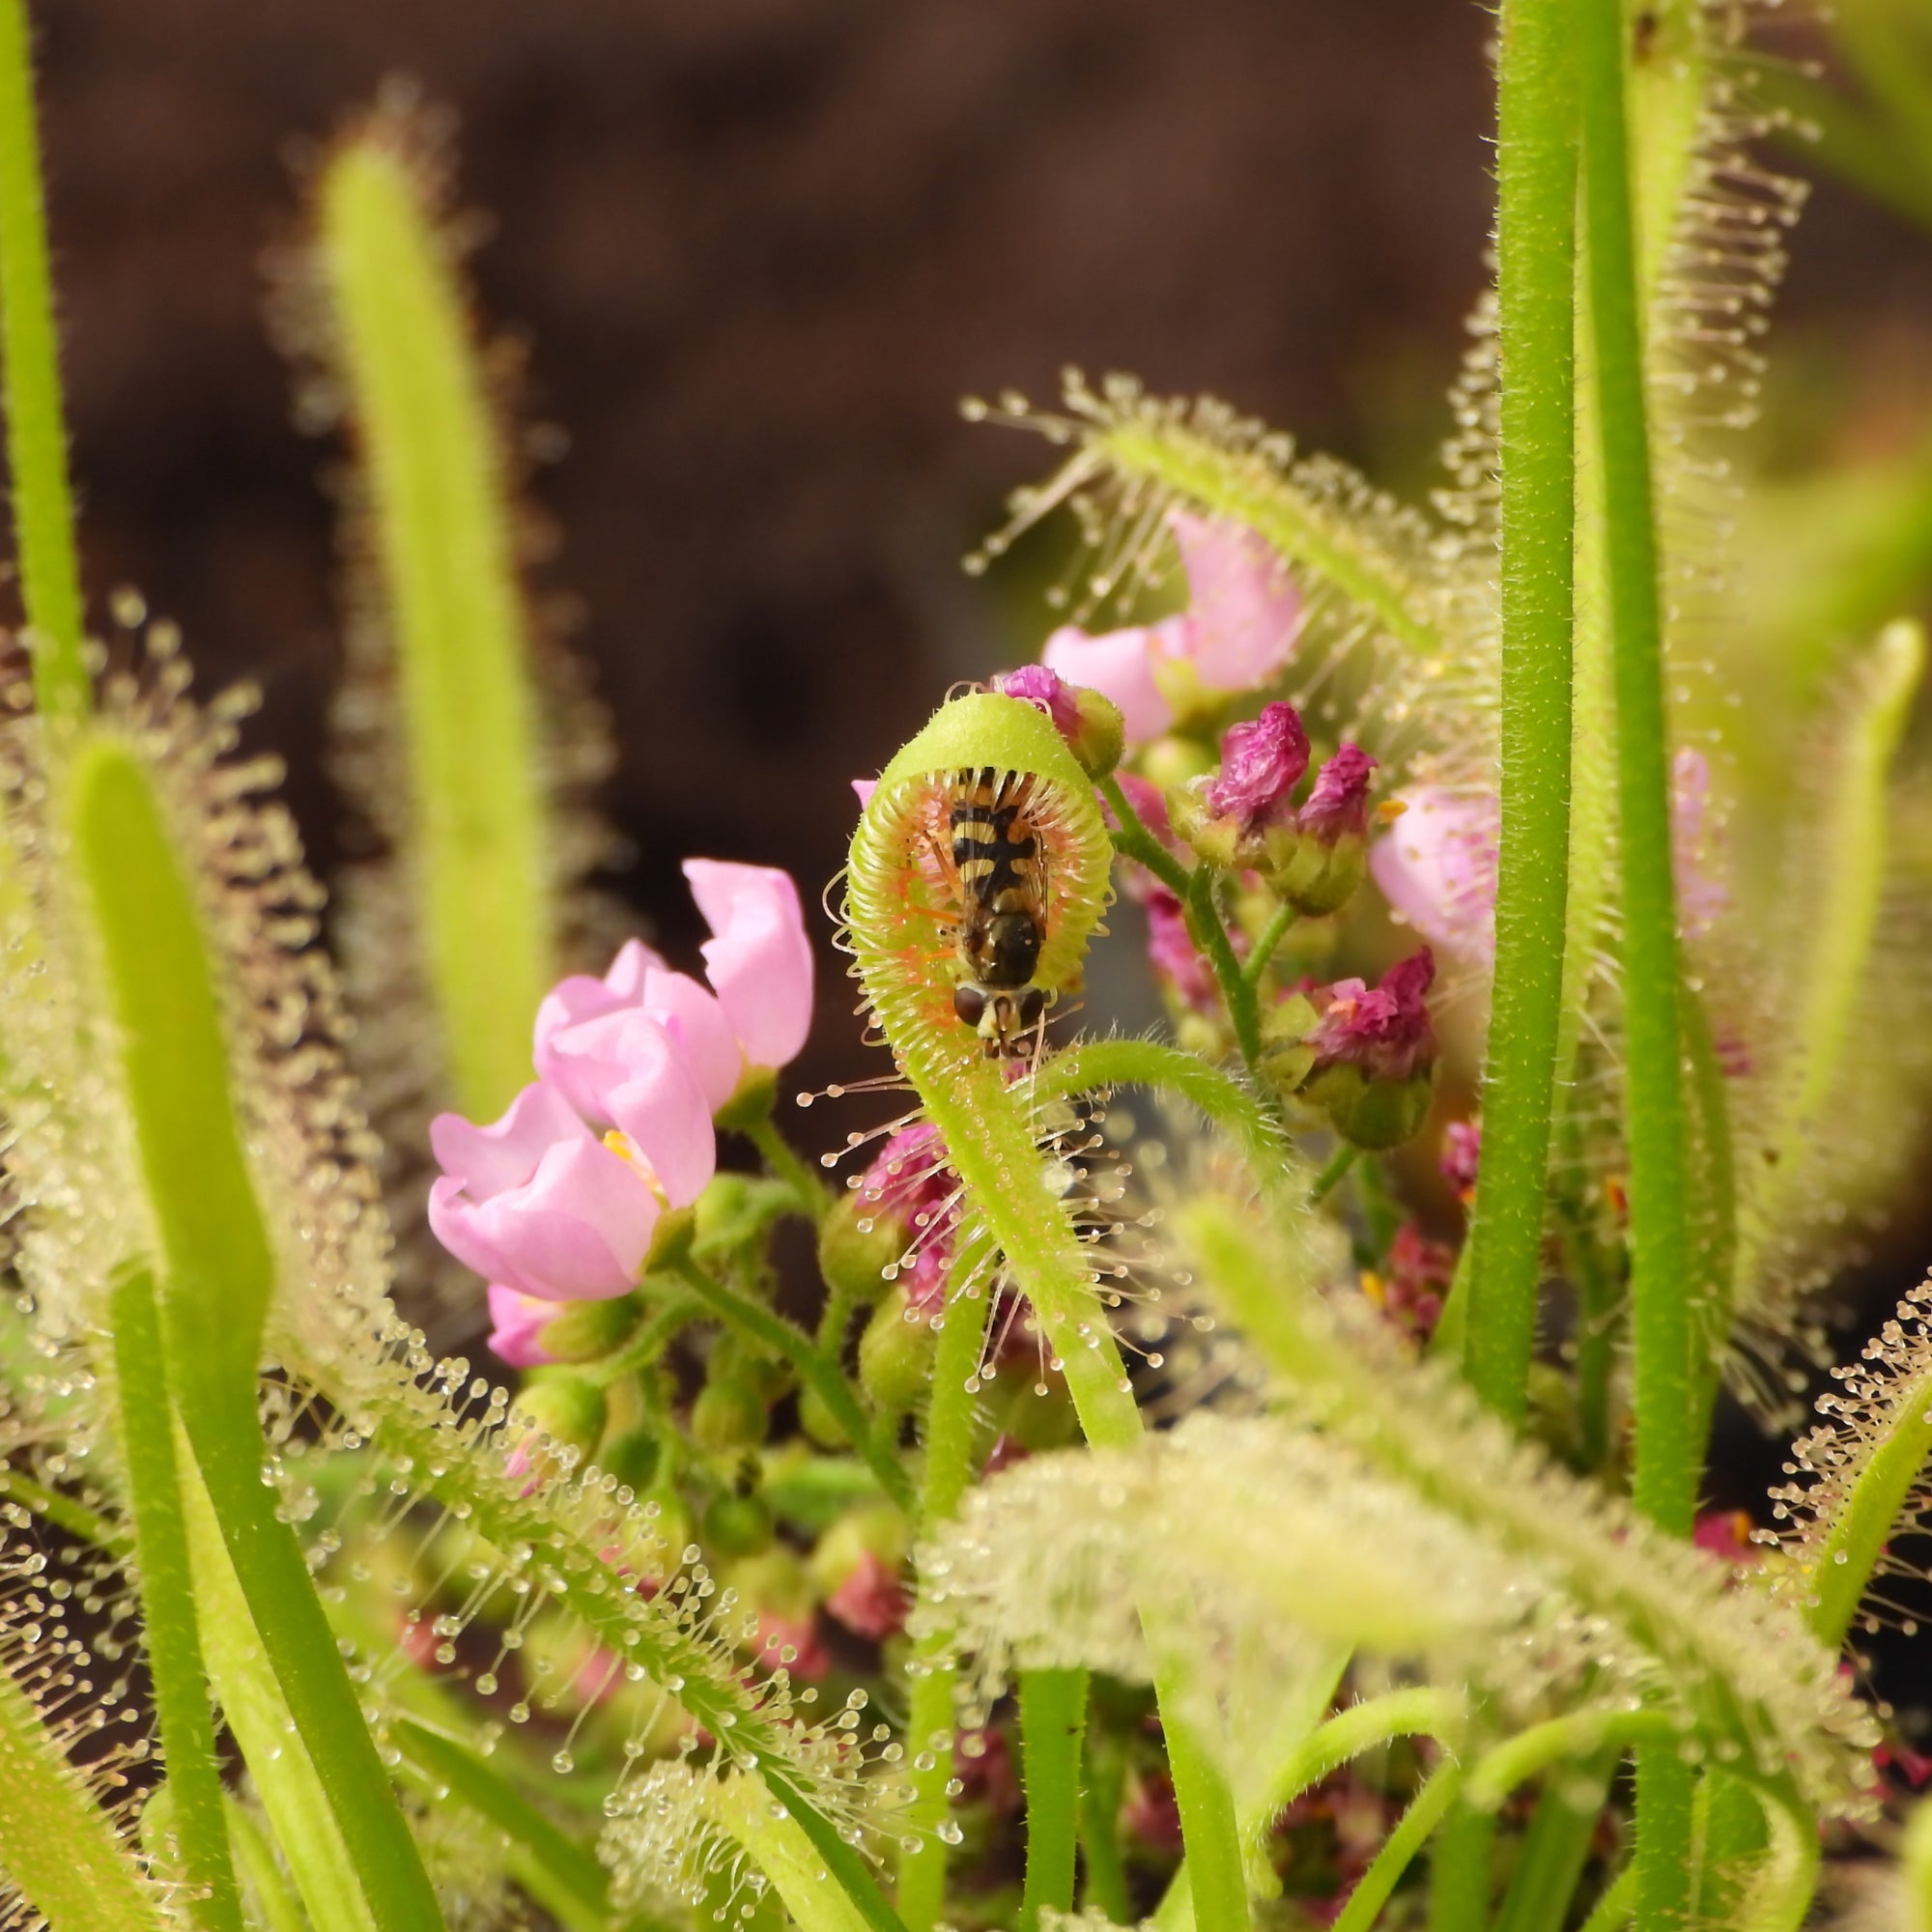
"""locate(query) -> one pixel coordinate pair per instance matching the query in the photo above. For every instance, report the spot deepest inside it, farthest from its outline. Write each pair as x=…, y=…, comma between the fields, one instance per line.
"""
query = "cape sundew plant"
x=1154, y=1522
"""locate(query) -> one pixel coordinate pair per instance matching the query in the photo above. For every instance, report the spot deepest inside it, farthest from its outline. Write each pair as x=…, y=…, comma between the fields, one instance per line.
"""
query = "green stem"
x=277, y=1906
x=1461, y=1872
x=950, y=1431
x=36, y=432
x=1204, y=926
x=1133, y=840
x=1331, y=1175
x=1425, y=1811
x=1052, y=1708
x=1581, y=1734
x=814, y=1198
x=1265, y=947
x=646, y=1344
x=1556, y=1847
x=819, y=1375
x=1100, y=1792
x=1536, y=169
x=168, y=1612
x=1668, y=1459
x=1613, y=1910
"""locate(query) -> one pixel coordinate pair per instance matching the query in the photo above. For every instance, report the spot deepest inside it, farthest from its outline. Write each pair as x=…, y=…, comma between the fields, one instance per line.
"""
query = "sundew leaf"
x=1737, y=1664
x=216, y=1268
x=57, y=1846
x=480, y=848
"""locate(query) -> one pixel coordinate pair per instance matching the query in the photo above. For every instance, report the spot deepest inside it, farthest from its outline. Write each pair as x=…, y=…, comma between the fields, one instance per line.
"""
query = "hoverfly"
x=998, y=868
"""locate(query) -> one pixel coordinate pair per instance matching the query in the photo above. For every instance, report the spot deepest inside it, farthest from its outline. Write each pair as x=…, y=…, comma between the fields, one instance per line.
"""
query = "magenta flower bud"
x=1087, y=720
x=1375, y=1054
x=1338, y=805
x=1261, y=762
x=538, y=1204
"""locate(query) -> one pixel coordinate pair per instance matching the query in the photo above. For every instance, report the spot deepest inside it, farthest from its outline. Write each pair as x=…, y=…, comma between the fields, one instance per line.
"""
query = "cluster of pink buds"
x=566, y=1197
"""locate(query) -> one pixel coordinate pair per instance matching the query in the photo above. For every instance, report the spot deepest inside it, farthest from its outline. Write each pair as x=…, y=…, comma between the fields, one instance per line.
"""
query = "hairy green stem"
x=277, y=1907
x=1226, y=1104
x=1580, y=1734
x=30, y=364
x=1535, y=256
x=1104, y=1762
x=1556, y=1847
x=1397, y=1853
x=182, y=1708
x=949, y=1433
x=1461, y=1871
x=820, y=1375
x=481, y=840
x=784, y=1164
x=1265, y=944
x=1053, y=1713
x=1614, y=1909
x=63, y=1510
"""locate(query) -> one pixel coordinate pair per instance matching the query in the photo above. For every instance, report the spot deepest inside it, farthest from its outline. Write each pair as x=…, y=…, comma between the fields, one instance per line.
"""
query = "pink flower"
x=1262, y=762
x=871, y=1601
x=758, y=957
x=1383, y=1030
x=810, y=1662
x=1461, y=1156
x=1178, y=963
x=1437, y=869
x=537, y=1202
x=1243, y=616
x=517, y=1322
x=1702, y=895
x=911, y=1185
x=1120, y=665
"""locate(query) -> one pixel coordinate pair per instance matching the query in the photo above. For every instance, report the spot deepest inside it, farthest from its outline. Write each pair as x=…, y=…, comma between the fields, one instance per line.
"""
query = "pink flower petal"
x=697, y=1022
x=758, y=958
x=1120, y=665
x=1246, y=613
x=517, y=1325
x=1436, y=867
x=665, y=1114
x=487, y=1160
x=863, y=788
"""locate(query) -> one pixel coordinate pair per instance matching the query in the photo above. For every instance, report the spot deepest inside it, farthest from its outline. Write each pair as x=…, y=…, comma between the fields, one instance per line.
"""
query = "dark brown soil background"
x=760, y=247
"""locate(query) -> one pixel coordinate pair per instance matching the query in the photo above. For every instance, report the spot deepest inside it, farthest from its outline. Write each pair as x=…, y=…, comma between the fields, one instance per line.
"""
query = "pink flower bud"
x=517, y=1322
x=538, y=1204
x=1046, y=691
x=1462, y=1156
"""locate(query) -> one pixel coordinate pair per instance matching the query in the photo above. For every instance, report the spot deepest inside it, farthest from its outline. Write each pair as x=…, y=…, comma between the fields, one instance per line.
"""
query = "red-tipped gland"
x=1090, y=723
x=1375, y=1054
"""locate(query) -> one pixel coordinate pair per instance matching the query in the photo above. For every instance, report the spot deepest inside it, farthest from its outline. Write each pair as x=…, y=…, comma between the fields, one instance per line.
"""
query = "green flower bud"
x=895, y=1355
x=859, y=1239
x=734, y=1211
x=565, y=1408
x=728, y=1415
x=737, y=1525
x=818, y=1422
x=585, y=1331
x=1374, y=1114
x=632, y=1458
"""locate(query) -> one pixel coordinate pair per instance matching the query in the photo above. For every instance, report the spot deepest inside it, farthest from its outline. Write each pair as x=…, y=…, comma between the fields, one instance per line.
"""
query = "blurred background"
x=759, y=248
